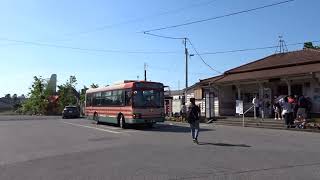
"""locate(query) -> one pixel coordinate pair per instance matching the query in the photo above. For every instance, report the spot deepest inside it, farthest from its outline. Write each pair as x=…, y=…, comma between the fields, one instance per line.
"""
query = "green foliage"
x=7, y=96
x=310, y=45
x=94, y=85
x=83, y=94
x=67, y=93
x=38, y=98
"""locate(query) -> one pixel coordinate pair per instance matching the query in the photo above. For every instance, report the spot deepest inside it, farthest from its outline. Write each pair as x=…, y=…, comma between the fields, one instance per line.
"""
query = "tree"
x=310, y=45
x=83, y=94
x=67, y=93
x=7, y=96
x=38, y=98
x=94, y=85
x=14, y=98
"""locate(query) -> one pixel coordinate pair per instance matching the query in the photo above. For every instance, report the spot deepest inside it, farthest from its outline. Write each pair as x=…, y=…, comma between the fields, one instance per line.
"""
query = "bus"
x=126, y=103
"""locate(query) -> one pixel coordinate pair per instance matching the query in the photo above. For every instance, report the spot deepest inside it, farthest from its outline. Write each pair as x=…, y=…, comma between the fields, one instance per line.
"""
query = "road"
x=52, y=148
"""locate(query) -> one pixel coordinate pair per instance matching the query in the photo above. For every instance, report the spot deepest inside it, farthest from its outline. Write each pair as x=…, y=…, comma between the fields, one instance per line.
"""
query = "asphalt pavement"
x=39, y=147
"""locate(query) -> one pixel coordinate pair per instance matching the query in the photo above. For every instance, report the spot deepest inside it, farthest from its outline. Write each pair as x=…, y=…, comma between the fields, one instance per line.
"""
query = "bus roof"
x=124, y=85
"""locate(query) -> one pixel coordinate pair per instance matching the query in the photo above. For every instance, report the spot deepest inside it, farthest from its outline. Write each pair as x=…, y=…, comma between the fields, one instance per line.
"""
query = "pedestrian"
x=256, y=103
x=295, y=106
x=276, y=108
x=309, y=107
x=302, y=106
x=194, y=120
x=287, y=112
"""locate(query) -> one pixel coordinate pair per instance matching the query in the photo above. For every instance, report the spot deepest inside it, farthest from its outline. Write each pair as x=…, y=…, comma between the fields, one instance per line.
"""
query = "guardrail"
x=245, y=113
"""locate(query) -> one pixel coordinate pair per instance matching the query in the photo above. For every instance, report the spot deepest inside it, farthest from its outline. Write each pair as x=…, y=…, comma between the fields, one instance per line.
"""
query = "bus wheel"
x=122, y=122
x=96, y=118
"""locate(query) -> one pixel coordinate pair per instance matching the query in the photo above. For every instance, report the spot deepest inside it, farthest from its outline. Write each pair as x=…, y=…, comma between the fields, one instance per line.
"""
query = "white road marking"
x=114, y=128
x=100, y=129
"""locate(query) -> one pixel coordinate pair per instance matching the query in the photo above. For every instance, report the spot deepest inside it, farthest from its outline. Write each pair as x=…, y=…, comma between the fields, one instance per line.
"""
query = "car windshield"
x=148, y=98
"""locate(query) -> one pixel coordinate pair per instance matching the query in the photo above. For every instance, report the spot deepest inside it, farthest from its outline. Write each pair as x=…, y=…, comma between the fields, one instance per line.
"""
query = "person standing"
x=194, y=120
x=302, y=106
x=287, y=112
x=276, y=108
x=256, y=103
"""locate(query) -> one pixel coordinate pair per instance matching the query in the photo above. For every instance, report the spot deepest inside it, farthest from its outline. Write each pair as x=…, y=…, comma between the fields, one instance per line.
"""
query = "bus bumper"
x=145, y=120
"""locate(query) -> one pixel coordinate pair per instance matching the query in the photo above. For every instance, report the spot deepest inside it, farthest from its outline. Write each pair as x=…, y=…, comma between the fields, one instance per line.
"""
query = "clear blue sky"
x=61, y=22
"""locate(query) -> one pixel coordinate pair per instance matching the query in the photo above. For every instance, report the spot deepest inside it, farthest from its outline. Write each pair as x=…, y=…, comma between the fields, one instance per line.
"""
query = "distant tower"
x=52, y=84
x=282, y=47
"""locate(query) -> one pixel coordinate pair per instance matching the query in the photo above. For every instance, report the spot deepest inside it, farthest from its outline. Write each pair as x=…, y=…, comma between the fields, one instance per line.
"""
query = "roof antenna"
x=282, y=46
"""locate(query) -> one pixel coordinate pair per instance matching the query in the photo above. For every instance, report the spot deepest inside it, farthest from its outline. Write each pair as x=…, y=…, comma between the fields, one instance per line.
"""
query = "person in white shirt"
x=256, y=103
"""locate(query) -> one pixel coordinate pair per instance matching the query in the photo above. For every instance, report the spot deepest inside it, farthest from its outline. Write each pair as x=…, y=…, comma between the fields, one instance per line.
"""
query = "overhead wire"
x=139, y=19
x=252, y=49
x=217, y=17
x=138, y=52
x=198, y=54
x=86, y=49
x=161, y=36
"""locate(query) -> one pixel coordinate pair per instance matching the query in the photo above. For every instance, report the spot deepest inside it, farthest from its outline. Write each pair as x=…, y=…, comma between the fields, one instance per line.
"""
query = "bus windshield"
x=148, y=98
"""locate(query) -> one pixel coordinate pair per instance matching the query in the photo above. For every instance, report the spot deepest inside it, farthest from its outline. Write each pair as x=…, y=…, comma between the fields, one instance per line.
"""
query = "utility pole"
x=186, y=54
x=145, y=71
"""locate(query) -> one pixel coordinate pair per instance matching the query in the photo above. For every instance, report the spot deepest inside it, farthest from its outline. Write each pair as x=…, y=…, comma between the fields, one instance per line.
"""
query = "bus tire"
x=122, y=122
x=96, y=117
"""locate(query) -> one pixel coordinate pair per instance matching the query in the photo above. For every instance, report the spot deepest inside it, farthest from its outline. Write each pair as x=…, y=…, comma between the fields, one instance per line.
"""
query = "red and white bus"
x=130, y=102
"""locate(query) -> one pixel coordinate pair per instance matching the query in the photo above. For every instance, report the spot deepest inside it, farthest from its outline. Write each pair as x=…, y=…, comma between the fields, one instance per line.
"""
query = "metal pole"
x=145, y=72
x=243, y=120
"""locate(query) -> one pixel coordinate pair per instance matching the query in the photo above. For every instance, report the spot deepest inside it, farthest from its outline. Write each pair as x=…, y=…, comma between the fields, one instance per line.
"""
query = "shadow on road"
x=174, y=128
x=224, y=144
x=159, y=128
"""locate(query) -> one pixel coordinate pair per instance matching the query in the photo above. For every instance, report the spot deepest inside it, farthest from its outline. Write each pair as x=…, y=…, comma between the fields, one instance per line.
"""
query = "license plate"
x=70, y=111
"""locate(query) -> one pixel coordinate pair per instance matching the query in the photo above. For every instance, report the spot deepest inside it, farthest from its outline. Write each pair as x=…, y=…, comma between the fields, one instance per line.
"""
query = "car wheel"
x=122, y=122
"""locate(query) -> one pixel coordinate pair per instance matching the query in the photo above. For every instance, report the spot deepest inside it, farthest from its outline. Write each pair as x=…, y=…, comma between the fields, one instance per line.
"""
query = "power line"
x=109, y=26
x=140, y=52
x=86, y=49
x=252, y=49
x=218, y=17
x=161, y=36
x=195, y=50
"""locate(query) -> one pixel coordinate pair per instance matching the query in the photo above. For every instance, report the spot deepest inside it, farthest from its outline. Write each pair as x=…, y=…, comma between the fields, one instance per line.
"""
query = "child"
x=276, y=108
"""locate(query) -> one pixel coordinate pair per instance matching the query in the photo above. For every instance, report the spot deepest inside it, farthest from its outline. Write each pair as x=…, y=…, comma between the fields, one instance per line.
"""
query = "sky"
x=94, y=40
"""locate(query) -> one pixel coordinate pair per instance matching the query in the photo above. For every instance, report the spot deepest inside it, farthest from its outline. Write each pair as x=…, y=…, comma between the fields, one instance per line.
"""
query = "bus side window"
x=128, y=97
x=88, y=100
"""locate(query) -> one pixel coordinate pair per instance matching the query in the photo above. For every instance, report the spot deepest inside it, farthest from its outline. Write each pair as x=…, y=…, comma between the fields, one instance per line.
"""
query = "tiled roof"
x=274, y=66
x=271, y=73
x=294, y=58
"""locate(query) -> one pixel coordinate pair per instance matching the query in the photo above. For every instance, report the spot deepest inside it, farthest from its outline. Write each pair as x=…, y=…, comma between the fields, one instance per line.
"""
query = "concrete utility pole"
x=186, y=54
x=145, y=71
